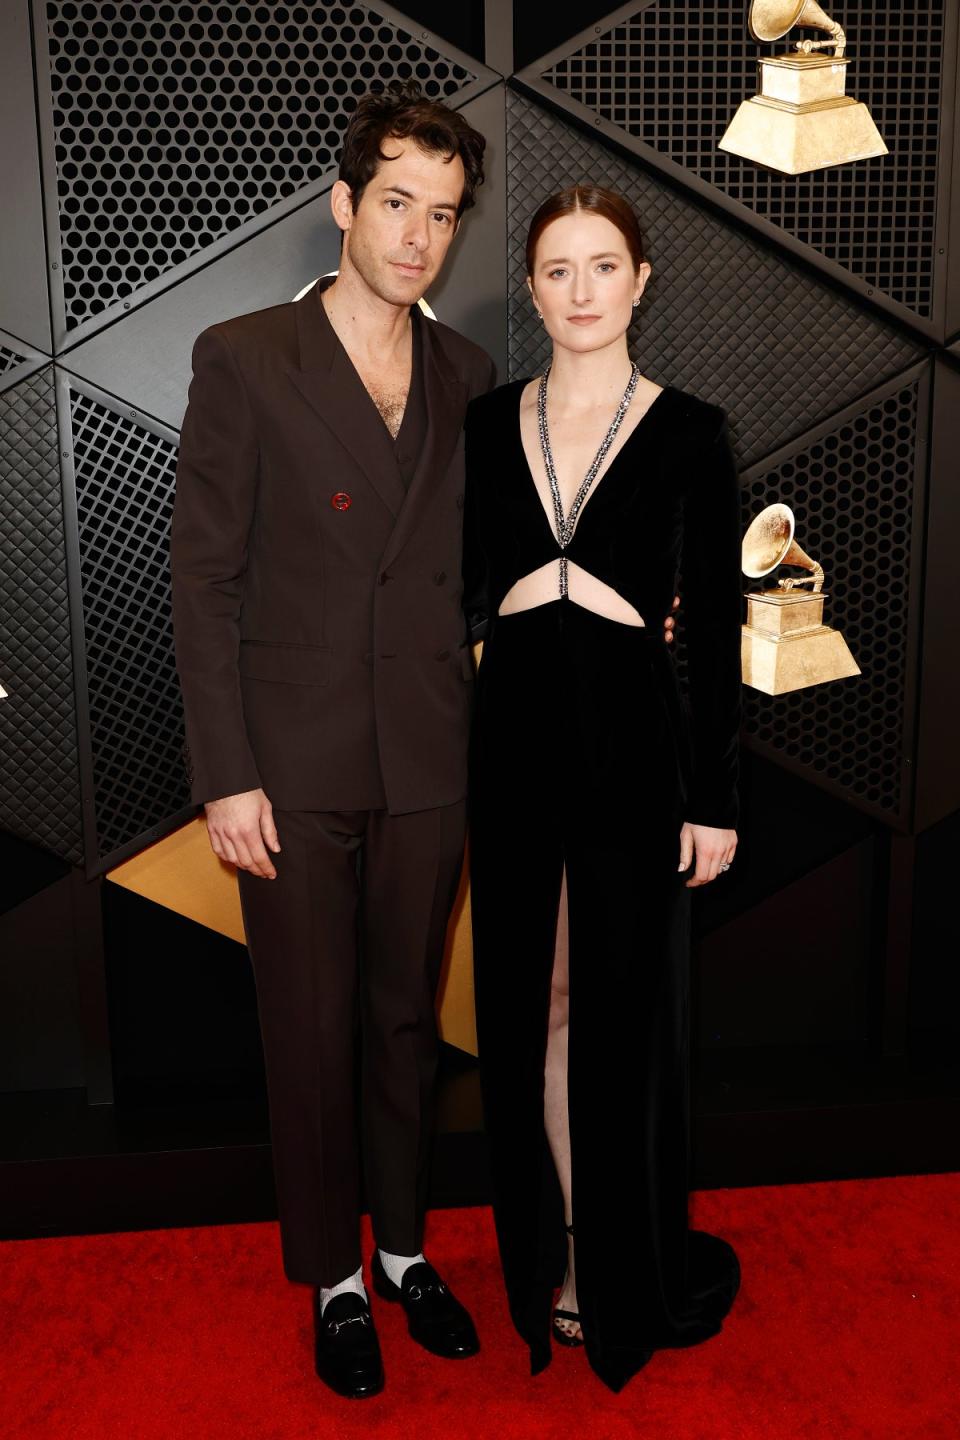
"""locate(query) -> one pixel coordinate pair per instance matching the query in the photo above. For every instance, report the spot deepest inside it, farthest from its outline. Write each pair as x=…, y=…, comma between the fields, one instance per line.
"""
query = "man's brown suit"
x=322, y=655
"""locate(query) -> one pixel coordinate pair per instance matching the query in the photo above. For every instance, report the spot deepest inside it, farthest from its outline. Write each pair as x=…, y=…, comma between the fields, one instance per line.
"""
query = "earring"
x=636, y=302
x=539, y=313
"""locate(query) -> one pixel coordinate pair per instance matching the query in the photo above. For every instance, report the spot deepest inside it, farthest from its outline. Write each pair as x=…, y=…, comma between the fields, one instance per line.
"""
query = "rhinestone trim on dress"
x=566, y=526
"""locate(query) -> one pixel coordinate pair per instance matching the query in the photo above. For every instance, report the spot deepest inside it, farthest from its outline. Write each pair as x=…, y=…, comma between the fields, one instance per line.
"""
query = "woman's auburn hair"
x=592, y=200
x=403, y=112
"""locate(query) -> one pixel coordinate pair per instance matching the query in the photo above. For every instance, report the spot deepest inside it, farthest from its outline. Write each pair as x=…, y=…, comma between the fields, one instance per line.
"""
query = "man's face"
x=399, y=234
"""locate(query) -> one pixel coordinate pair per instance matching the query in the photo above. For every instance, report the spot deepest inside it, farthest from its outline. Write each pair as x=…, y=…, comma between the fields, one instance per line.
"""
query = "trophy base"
x=785, y=645
x=801, y=120
x=776, y=665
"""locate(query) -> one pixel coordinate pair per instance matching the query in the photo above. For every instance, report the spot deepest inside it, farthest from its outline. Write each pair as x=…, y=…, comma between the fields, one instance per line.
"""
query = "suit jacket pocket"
x=285, y=664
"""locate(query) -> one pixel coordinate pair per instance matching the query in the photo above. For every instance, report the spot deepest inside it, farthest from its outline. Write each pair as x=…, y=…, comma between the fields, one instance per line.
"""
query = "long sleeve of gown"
x=476, y=571
x=712, y=597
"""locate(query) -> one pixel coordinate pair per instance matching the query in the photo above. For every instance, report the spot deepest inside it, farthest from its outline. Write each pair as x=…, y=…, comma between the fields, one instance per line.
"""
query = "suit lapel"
x=329, y=383
x=445, y=404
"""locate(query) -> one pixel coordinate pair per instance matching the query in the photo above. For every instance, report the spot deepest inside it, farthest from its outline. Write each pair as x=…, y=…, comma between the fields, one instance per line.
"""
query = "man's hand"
x=669, y=622
x=712, y=847
x=241, y=828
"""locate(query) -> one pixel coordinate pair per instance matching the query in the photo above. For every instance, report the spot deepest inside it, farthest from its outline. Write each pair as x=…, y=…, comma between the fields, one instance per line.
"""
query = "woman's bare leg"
x=555, y=1112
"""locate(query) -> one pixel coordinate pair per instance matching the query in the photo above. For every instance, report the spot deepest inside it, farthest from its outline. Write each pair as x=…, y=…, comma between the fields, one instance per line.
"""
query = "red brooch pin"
x=341, y=500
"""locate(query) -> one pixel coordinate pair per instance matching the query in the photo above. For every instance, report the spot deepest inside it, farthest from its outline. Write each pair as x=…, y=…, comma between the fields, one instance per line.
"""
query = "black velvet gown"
x=585, y=754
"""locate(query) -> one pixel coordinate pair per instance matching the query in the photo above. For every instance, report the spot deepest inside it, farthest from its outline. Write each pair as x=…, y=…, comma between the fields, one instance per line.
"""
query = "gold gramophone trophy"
x=785, y=644
x=801, y=120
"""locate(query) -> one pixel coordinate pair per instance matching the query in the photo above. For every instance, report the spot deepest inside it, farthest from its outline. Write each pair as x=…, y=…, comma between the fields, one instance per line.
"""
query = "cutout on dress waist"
x=542, y=586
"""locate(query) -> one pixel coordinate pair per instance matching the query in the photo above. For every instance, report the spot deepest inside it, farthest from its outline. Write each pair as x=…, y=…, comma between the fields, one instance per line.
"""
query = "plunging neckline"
x=597, y=482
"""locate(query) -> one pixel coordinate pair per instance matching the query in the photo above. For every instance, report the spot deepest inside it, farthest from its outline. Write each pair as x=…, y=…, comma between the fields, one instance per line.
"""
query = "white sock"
x=396, y=1265
x=352, y=1285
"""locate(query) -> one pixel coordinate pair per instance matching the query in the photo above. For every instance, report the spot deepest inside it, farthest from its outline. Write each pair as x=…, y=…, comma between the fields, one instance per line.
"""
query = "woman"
x=594, y=791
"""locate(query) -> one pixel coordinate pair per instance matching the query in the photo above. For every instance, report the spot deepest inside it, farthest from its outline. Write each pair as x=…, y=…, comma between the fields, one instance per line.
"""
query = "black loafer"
x=435, y=1317
x=347, y=1351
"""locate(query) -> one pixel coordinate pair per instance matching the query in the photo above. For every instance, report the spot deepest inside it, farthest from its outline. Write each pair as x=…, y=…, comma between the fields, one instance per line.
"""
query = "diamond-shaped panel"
x=723, y=315
x=39, y=775
x=673, y=74
x=125, y=484
x=176, y=123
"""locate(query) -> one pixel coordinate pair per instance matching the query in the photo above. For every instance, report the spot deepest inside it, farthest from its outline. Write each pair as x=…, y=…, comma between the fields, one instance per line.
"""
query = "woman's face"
x=584, y=281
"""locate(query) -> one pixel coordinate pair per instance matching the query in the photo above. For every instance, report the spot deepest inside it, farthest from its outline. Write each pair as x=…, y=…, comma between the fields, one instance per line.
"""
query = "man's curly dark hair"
x=403, y=112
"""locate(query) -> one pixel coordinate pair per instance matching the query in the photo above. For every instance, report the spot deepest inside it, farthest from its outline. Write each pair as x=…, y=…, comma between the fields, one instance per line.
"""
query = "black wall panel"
x=856, y=486
x=461, y=24
x=39, y=1006
x=124, y=477
x=24, y=304
x=539, y=29
x=810, y=994
x=938, y=753
x=39, y=768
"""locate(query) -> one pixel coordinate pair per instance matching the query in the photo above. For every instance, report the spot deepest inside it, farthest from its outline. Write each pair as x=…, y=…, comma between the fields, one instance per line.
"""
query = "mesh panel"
x=39, y=776
x=853, y=494
x=673, y=74
x=175, y=123
x=771, y=362
x=125, y=484
x=9, y=360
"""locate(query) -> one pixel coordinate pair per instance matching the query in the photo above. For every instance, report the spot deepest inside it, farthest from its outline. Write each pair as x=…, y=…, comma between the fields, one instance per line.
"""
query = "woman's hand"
x=713, y=847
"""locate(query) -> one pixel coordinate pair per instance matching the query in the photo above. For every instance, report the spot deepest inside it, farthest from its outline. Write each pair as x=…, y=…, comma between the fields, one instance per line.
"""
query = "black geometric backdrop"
x=174, y=136
x=167, y=164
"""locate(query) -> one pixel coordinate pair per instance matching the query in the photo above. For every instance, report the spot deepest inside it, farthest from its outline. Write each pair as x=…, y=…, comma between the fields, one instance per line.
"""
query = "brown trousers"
x=346, y=945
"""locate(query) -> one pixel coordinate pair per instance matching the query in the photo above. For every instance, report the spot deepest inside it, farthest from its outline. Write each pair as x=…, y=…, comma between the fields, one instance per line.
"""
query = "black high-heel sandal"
x=559, y=1335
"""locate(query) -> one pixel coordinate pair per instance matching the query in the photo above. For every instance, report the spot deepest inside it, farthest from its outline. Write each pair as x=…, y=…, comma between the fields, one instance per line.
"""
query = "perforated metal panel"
x=125, y=483
x=39, y=776
x=773, y=360
x=853, y=494
x=176, y=123
x=673, y=74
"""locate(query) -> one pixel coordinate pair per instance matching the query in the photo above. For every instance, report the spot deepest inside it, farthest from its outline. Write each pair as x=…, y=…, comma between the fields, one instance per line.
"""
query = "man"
x=327, y=678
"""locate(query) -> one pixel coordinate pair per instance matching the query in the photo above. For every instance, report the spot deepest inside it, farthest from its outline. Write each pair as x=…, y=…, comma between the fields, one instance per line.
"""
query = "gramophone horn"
x=769, y=542
x=769, y=19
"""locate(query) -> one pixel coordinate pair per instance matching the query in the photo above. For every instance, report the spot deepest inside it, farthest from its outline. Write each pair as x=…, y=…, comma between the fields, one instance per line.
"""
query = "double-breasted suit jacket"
x=319, y=632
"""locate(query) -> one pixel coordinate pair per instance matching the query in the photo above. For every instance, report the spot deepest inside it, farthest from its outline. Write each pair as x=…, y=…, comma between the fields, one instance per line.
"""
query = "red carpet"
x=847, y=1325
